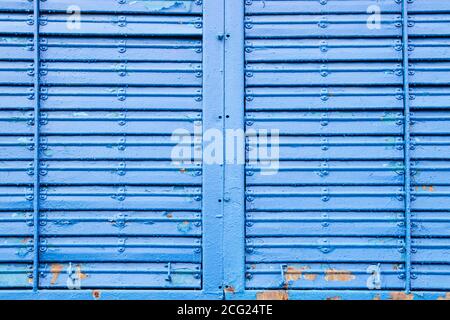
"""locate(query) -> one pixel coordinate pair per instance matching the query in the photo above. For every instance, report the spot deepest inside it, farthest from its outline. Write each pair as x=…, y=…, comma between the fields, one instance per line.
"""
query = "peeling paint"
x=230, y=289
x=55, y=270
x=80, y=274
x=339, y=275
x=400, y=295
x=294, y=274
x=272, y=295
x=96, y=294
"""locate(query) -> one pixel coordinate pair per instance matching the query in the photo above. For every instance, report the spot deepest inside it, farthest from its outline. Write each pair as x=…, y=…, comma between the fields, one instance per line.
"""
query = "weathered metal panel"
x=112, y=211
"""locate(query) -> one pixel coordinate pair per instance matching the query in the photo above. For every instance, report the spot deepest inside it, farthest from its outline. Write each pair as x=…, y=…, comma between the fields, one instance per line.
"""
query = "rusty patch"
x=229, y=289
x=377, y=297
x=169, y=215
x=294, y=274
x=272, y=295
x=334, y=298
x=339, y=275
x=446, y=297
x=401, y=296
x=80, y=274
x=55, y=270
x=96, y=294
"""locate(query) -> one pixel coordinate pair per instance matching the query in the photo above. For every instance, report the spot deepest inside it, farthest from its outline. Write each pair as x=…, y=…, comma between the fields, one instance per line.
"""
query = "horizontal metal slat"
x=16, y=276
x=328, y=123
x=308, y=50
x=102, y=49
x=103, y=25
x=430, y=224
x=104, y=74
x=324, y=250
x=103, y=98
x=342, y=26
x=368, y=7
x=326, y=98
x=431, y=277
x=97, y=148
x=343, y=98
x=120, y=275
x=329, y=224
x=277, y=198
x=114, y=123
x=333, y=148
x=430, y=197
x=98, y=223
x=109, y=6
x=323, y=276
x=105, y=249
x=328, y=173
x=355, y=74
x=430, y=250
x=430, y=173
x=103, y=198
x=101, y=173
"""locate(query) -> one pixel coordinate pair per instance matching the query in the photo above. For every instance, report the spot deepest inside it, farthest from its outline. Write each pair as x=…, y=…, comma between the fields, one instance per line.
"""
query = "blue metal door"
x=351, y=202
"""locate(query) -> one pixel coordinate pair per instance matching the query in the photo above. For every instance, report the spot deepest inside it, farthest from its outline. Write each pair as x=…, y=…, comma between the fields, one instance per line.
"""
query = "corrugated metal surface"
x=114, y=211
x=334, y=215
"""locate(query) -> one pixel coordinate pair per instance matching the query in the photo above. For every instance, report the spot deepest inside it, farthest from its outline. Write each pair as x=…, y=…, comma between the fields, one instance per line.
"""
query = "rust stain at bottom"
x=446, y=297
x=334, y=298
x=272, y=295
x=401, y=296
x=55, y=270
x=377, y=297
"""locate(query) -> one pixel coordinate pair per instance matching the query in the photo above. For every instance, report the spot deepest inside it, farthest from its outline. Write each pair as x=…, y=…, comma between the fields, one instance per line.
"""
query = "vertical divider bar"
x=234, y=206
x=407, y=149
x=36, y=162
x=213, y=121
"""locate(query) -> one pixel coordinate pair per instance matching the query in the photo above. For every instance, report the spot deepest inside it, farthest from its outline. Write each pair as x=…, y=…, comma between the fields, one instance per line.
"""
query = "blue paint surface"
x=91, y=206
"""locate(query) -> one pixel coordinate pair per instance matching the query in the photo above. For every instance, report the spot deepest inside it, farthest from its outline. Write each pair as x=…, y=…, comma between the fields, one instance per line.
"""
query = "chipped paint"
x=294, y=274
x=339, y=275
x=230, y=289
x=400, y=295
x=272, y=295
x=184, y=226
x=445, y=297
x=55, y=270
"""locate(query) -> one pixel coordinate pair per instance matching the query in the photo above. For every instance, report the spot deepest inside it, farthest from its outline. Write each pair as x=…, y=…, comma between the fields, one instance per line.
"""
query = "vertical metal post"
x=407, y=149
x=234, y=206
x=36, y=187
x=213, y=120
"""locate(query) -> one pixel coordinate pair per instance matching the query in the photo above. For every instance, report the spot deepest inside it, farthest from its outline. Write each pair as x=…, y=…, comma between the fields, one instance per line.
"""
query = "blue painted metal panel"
x=92, y=206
